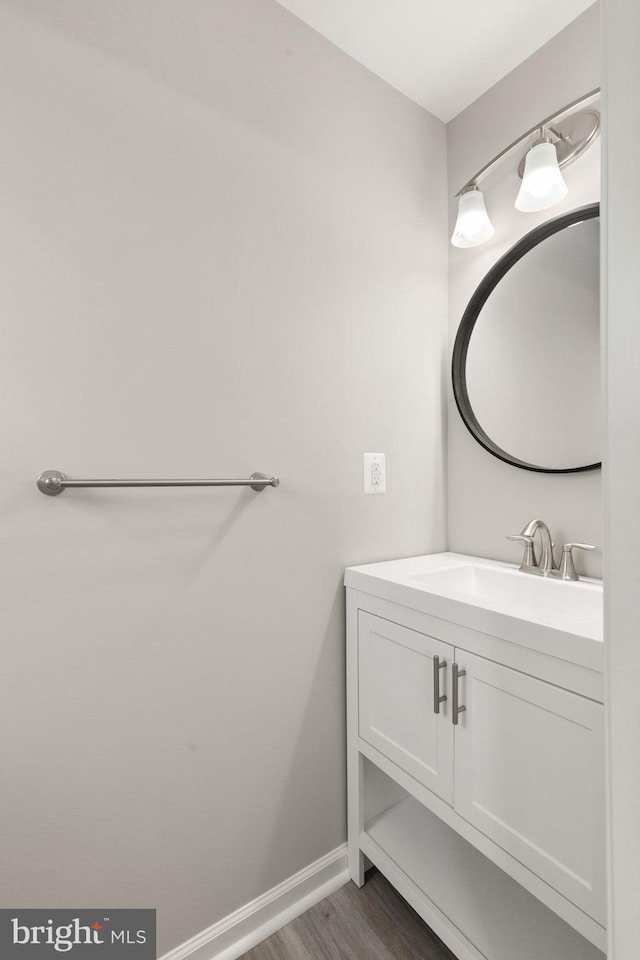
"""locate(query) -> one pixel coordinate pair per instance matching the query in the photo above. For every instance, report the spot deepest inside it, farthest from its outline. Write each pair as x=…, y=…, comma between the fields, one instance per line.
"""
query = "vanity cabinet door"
x=396, y=700
x=529, y=773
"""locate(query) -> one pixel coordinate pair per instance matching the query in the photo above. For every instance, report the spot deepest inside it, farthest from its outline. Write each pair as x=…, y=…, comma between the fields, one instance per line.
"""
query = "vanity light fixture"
x=542, y=183
x=473, y=226
x=552, y=145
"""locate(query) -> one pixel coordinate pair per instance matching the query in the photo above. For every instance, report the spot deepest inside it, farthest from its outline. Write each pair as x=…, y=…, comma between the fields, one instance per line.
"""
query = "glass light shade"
x=542, y=183
x=473, y=226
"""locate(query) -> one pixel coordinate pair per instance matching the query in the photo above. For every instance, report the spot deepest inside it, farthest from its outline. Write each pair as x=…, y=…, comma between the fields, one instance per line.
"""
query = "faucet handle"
x=567, y=566
x=529, y=558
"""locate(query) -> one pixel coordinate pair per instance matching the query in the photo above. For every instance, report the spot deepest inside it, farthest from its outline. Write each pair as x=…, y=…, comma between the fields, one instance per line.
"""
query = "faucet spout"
x=547, y=562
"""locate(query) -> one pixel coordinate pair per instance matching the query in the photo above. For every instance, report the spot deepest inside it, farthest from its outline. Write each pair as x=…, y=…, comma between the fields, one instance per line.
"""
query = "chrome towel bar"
x=53, y=482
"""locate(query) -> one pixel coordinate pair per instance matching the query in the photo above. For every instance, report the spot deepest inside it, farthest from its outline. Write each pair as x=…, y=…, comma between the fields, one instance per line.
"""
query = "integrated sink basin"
x=554, y=616
x=522, y=595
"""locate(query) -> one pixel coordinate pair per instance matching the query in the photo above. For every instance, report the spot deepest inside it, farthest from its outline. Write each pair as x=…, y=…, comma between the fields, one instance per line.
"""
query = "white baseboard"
x=240, y=931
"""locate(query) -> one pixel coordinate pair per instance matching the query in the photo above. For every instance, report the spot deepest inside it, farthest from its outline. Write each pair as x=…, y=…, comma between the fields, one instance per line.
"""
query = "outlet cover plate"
x=375, y=473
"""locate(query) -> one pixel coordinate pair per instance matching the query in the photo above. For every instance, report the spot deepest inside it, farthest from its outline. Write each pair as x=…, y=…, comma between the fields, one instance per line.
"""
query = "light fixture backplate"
x=571, y=137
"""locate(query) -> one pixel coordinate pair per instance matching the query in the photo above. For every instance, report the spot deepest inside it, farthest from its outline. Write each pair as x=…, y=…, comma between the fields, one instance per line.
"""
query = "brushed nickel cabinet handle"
x=455, y=708
x=438, y=665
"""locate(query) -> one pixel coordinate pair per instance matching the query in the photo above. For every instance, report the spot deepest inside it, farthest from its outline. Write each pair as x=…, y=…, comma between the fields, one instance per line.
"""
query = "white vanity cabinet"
x=492, y=827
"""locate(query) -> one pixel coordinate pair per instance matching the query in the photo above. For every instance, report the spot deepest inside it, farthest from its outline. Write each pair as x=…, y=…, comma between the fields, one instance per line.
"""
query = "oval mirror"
x=526, y=359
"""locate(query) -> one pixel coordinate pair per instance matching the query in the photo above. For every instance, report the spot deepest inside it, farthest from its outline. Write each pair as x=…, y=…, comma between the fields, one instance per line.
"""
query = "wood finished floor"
x=370, y=923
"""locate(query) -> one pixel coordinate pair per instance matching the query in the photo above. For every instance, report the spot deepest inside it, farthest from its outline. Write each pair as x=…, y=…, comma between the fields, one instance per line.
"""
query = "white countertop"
x=560, y=618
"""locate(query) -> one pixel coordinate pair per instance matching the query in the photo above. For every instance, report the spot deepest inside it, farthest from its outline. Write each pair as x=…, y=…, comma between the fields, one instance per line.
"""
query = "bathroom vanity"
x=476, y=752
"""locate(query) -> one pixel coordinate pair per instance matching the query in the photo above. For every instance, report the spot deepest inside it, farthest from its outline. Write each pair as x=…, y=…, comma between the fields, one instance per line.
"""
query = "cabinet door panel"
x=529, y=773
x=396, y=710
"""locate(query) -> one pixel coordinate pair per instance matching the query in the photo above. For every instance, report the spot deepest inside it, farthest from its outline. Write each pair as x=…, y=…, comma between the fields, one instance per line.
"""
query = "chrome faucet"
x=546, y=566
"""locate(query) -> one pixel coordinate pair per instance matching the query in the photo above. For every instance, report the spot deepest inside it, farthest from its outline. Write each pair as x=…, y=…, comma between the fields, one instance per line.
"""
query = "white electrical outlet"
x=375, y=474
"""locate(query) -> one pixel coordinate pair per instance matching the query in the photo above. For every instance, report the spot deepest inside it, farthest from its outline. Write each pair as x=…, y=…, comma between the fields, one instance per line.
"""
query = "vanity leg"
x=355, y=762
x=355, y=819
x=356, y=866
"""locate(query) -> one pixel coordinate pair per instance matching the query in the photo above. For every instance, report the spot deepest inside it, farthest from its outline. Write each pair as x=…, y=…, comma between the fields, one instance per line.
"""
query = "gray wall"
x=487, y=498
x=622, y=465
x=223, y=250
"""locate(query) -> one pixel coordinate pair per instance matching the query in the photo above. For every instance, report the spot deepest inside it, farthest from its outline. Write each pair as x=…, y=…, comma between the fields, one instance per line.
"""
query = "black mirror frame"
x=468, y=321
